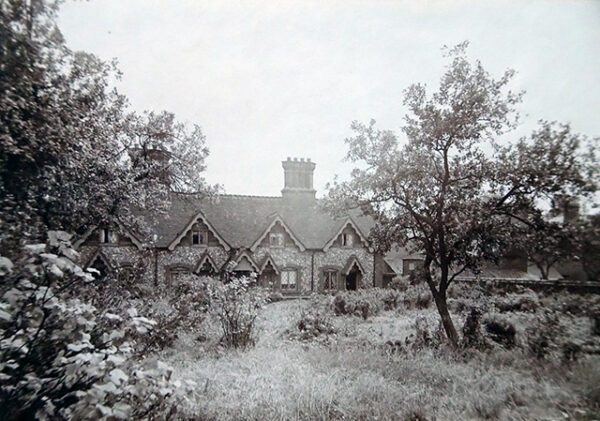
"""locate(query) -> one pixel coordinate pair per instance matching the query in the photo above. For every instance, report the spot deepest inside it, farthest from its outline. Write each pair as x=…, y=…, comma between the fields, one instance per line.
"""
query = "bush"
x=500, y=330
x=418, y=296
x=543, y=334
x=236, y=306
x=465, y=297
x=313, y=324
x=364, y=303
x=400, y=283
x=472, y=335
x=527, y=301
x=60, y=359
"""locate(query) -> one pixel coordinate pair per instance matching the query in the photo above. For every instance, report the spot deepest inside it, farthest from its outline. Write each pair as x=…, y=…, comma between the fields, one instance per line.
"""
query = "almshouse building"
x=288, y=241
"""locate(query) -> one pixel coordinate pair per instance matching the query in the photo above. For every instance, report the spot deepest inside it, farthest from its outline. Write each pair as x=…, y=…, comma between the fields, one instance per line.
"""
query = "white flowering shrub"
x=59, y=357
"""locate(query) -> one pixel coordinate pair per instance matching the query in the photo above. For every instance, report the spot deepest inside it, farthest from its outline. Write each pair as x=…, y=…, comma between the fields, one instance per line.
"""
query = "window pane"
x=288, y=279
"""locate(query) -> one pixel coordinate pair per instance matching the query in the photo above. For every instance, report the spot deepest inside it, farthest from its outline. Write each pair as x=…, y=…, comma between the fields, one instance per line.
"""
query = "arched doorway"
x=353, y=278
x=268, y=277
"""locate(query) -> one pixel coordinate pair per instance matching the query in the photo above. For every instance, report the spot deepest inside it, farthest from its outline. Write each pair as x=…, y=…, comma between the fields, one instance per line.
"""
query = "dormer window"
x=107, y=236
x=276, y=240
x=198, y=238
x=347, y=239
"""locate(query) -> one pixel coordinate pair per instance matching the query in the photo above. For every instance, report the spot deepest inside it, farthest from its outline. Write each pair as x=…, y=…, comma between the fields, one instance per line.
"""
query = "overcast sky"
x=272, y=79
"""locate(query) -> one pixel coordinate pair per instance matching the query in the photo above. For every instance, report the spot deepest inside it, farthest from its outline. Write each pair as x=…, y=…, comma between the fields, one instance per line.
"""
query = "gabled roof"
x=347, y=222
x=122, y=230
x=188, y=227
x=100, y=255
x=268, y=260
x=203, y=259
x=241, y=220
x=352, y=260
x=277, y=218
x=245, y=255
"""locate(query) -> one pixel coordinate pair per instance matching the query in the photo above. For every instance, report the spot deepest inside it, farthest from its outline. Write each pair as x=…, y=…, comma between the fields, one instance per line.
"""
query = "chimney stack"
x=298, y=176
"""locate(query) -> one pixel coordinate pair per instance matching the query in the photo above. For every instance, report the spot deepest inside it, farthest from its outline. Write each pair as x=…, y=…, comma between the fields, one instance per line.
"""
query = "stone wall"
x=309, y=264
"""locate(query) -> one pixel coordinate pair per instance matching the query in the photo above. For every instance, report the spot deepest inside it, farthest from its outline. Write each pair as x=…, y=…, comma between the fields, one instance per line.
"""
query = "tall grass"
x=353, y=379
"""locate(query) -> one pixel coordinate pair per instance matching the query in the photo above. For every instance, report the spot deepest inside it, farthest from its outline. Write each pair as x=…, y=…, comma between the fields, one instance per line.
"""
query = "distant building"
x=288, y=241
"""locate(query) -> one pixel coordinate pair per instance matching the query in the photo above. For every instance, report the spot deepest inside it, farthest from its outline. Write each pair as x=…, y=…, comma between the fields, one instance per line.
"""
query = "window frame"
x=178, y=268
x=347, y=239
x=202, y=237
x=108, y=236
x=282, y=276
x=280, y=240
x=334, y=284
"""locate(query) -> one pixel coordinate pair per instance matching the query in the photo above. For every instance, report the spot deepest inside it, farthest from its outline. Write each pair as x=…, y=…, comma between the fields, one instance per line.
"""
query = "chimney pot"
x=295, y=159
x=289, y=159
x=301, y=159
x=307, y=159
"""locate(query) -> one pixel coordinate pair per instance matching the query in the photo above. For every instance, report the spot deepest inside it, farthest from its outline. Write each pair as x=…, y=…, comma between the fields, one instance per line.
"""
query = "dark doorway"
x=352, y=281
x=101, y=267
x=268, y=279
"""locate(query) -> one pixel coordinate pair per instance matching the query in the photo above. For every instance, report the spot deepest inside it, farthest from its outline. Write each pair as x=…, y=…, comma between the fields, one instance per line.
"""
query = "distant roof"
x=240, y=220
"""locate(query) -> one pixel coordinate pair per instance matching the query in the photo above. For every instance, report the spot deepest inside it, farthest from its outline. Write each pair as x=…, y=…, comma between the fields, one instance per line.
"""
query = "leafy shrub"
x=59, y=358
x=418, y=296
x=500, y=330
x=400, y=283
x=365, y=303
x=391, y=299
x=313, y=324
x=472, y=335
x=527, y=301
x=465, y=297
x=424, y=337
x=236, y=306
x=543, y=334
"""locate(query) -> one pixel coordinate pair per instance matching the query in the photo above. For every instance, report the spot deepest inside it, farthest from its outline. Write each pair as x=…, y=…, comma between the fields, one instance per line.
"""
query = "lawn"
x=354, y=374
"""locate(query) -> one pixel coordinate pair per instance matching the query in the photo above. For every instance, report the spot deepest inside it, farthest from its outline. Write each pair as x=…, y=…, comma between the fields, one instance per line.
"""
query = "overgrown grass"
x=352, y=375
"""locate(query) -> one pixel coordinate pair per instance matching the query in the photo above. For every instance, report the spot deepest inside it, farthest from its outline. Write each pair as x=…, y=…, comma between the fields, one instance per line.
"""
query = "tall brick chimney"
x=298, y=176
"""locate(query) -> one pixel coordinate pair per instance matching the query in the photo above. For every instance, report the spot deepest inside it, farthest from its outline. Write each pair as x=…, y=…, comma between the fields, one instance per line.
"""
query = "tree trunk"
x=439, y=297
x=442, y=307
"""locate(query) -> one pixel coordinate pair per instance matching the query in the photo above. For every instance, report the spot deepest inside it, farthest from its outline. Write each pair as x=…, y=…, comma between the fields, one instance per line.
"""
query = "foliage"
x=549, y=242
x=543, y=335
x=236, y=306
x=526, y=301
x=472, y=335
x=72, y=154
x=589, y=247
x=451, y=191
x=314, y=323
x=365, y=303
x=61, y=358
x=417, y=297
x=500, y=330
